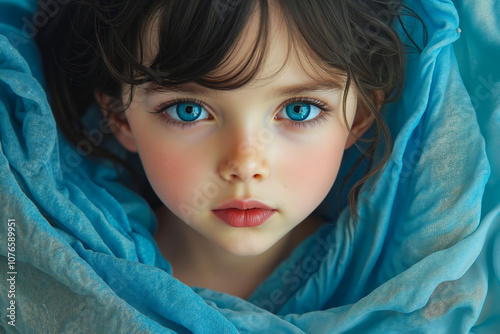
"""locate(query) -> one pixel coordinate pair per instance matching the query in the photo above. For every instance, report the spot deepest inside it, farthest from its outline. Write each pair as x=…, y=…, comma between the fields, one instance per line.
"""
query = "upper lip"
x=243, y=205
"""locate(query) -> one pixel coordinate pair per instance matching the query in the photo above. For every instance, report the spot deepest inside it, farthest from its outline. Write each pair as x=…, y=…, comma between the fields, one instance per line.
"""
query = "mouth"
x=237, y=213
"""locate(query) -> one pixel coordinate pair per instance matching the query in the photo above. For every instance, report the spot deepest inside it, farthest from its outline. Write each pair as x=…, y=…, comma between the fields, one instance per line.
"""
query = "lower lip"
x=244, y=218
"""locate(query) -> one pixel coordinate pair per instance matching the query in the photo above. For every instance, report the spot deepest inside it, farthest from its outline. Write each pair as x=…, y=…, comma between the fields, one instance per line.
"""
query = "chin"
x=246, y=248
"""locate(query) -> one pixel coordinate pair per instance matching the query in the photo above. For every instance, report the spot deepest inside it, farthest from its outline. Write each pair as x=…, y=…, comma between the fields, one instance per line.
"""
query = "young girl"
x=248, y=118
x=240, y=112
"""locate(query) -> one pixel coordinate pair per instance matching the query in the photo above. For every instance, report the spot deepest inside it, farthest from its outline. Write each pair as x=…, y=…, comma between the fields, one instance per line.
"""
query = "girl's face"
x=278, y=140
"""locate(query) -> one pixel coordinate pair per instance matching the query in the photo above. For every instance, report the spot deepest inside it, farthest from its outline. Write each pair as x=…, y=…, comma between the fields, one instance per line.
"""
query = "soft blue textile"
x=424, y=258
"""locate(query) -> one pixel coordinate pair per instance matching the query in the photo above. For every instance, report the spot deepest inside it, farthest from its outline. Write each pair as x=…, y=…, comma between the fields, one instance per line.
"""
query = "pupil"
x=296, y=109
x=189, y=109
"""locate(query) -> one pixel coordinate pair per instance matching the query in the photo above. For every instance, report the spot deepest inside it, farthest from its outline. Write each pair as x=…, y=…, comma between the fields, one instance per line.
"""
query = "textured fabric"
x=423, y=258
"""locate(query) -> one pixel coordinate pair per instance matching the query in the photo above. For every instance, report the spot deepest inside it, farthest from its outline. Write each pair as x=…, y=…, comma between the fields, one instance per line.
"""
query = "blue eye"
x=187, y=112
x=300, y=111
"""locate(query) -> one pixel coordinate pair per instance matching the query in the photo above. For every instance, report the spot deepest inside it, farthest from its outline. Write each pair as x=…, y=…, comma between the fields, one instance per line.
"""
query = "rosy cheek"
x=173, y=173
x=311, y=171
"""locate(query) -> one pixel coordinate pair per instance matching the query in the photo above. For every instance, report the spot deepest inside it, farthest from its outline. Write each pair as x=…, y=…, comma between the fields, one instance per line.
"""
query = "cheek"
x=311, y=170
x=175, y=172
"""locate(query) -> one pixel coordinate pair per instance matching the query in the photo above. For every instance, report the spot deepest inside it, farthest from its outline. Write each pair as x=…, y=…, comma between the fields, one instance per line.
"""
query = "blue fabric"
x=423, y=258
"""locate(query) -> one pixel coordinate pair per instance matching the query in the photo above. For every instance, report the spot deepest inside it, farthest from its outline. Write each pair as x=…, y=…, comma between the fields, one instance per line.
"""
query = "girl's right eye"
x=183, y=113
x=187, y=112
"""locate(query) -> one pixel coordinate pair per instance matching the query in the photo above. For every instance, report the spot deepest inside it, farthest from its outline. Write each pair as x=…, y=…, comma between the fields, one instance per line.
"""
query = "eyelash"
x=160, y=110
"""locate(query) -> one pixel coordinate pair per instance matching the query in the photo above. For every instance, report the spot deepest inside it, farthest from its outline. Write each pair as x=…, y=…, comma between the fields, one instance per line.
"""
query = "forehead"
x=280, y=46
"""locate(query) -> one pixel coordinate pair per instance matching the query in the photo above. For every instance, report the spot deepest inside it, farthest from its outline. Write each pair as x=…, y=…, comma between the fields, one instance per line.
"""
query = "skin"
x=246, y=148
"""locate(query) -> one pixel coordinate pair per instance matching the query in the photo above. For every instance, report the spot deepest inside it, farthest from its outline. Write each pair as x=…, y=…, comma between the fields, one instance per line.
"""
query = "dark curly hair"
x=98, y=45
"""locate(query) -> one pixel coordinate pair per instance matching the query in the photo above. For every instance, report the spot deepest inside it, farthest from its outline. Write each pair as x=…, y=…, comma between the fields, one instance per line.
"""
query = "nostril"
x=258, y=177
x=244, y=170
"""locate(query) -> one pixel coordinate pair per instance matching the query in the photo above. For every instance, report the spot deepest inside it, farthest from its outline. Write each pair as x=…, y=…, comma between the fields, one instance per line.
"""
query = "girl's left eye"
x=299, y=112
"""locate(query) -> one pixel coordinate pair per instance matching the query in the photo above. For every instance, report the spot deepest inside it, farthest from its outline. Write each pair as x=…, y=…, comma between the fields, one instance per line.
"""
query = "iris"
x=188, y=112
x=298, y=111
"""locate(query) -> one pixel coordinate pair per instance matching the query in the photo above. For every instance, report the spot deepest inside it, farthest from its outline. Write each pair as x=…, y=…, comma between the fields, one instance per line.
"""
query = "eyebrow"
x=299, y=89
x=315, y=87
x=185, y=88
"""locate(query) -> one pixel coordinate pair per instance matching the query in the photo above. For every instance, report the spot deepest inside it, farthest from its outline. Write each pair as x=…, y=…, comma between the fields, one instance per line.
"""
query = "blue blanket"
x=81, y=255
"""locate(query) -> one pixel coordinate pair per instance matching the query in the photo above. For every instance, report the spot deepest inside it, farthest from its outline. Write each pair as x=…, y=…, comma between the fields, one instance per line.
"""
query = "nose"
x=246, y=162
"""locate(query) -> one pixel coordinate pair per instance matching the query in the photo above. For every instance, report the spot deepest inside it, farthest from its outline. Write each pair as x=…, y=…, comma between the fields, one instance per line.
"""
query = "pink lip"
x=239, y=213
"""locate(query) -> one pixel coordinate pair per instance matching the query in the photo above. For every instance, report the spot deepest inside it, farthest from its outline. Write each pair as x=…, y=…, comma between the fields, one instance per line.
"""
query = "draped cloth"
x=423, y=256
